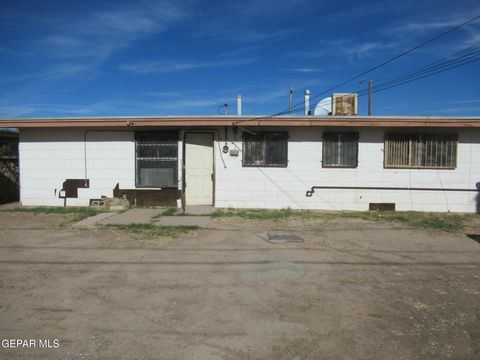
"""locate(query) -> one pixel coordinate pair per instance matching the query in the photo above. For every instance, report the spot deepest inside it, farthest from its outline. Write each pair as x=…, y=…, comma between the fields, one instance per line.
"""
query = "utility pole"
x=291, y=100
x=369, y=97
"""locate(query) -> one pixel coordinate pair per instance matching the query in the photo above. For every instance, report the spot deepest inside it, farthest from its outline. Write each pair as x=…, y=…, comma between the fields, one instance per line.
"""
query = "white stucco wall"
x=247, y=187
x=49, y=156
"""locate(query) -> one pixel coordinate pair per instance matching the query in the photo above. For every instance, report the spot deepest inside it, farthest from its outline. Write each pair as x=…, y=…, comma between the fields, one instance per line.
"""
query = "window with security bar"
x=156, y=158
x=340, y=149
x=428, y=151
x=265, y=149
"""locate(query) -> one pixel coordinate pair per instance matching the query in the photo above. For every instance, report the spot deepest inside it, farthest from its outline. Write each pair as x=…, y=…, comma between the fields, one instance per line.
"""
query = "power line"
x=439, y=61
x=420, y=73
x=438, y=65
x=376, y=66
x=398, y=56
x=405, y=81
x=401, y=80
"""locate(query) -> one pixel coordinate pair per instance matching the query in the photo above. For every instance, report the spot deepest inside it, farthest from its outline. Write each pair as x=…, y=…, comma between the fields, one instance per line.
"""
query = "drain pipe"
x=184, y=183
x=310, y=192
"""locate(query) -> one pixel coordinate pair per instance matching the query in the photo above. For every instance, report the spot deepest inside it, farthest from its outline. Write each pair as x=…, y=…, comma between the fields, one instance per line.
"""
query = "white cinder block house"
x=307, y=162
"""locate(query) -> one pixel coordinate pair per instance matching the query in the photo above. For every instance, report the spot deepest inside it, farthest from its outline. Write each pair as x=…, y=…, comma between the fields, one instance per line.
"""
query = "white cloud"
x=61, y=71
x=401, y=36
x=306, y=70
x=105, y=32
x=413, y=32
x=187, y=103
x=11, y=111
x=350, y=49
x=257, y=40
x=76, y=49
x=461, y=102
x=64, y=70
x=111, y=108
x=459, y=110
x=250, y=36
x=424, y=26
x=367, y=49
x=472, y=39
x=261, y=8
x=167, y=102
x=265, y=95
x=167, y=67
x=248, y=26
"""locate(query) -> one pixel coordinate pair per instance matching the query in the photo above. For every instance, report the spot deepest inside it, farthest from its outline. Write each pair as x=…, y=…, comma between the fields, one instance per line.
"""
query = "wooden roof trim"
x=244, y=121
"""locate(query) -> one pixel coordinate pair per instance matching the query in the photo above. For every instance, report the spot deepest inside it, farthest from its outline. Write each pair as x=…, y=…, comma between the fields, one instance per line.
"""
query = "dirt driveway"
x=352, y=290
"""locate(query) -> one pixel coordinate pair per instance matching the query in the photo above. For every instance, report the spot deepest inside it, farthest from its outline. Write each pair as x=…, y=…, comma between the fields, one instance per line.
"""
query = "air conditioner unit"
x=345, y=104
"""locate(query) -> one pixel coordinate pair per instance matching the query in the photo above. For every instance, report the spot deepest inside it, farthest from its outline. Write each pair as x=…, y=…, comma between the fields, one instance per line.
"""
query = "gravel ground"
x=352, y=290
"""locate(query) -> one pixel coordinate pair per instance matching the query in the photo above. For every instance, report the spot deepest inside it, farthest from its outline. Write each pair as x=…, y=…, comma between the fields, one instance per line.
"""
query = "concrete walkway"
x=200, y=221
x=132, y=216
x=148, y=216
x=92, y=220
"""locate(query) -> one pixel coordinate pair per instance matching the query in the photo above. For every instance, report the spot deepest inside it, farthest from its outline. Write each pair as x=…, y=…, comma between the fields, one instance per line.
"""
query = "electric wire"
x=355, y=77
x=375, y=67
x=427, y=71
x=437, y=62
x=413, y=76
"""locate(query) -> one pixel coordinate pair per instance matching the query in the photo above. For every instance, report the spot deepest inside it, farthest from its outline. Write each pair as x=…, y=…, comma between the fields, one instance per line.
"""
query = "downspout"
x=85, y=153
x=184, y=184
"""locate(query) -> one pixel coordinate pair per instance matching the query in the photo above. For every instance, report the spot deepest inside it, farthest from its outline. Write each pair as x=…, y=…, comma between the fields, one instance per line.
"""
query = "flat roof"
x=244, y=121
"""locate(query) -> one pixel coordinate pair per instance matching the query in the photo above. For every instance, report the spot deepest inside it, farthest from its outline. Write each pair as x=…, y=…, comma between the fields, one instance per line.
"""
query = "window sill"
x=418, y=168
x=265, y=166
x=339, y=167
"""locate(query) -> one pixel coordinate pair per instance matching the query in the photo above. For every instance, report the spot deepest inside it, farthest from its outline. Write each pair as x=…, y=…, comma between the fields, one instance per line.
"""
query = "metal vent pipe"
x=307, y=102
x=239, y=105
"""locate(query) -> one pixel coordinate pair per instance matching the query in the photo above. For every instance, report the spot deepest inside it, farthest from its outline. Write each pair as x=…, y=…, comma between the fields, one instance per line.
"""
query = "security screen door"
x=199, y=168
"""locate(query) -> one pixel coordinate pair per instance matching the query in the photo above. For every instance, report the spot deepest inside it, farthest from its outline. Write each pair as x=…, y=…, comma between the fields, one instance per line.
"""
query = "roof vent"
x=307, y=102
x=239, y=105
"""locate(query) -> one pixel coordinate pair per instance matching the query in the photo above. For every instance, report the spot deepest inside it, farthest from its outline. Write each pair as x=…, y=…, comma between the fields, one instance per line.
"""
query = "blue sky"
x=88, y=58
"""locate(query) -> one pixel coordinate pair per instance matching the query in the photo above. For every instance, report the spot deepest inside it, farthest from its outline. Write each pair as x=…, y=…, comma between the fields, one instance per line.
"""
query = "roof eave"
x=211, y=121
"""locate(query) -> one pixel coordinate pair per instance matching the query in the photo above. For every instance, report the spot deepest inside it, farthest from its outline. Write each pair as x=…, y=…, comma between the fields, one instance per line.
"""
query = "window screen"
x=265, y=149
x=156, y=158
x=421, y=151
x=340, y=149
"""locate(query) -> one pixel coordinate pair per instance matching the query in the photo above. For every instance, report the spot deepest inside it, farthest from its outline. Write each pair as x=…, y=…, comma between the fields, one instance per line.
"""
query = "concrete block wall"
x=50, y=156
x=268, y=187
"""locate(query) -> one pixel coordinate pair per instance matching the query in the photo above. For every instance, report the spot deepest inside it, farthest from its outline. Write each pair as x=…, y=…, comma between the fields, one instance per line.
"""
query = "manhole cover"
x=278, y=237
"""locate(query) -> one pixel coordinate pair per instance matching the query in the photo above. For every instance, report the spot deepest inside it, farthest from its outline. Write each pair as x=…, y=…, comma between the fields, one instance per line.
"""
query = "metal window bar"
x=437, y=151
x=156, y=158
x=340, y=149
x=265, y=149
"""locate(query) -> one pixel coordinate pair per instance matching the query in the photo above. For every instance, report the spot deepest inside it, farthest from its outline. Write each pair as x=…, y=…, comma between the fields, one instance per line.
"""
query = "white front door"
x=199, y=168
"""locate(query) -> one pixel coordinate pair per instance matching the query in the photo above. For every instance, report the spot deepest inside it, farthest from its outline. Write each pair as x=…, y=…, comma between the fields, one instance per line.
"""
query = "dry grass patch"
x=426, y=220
